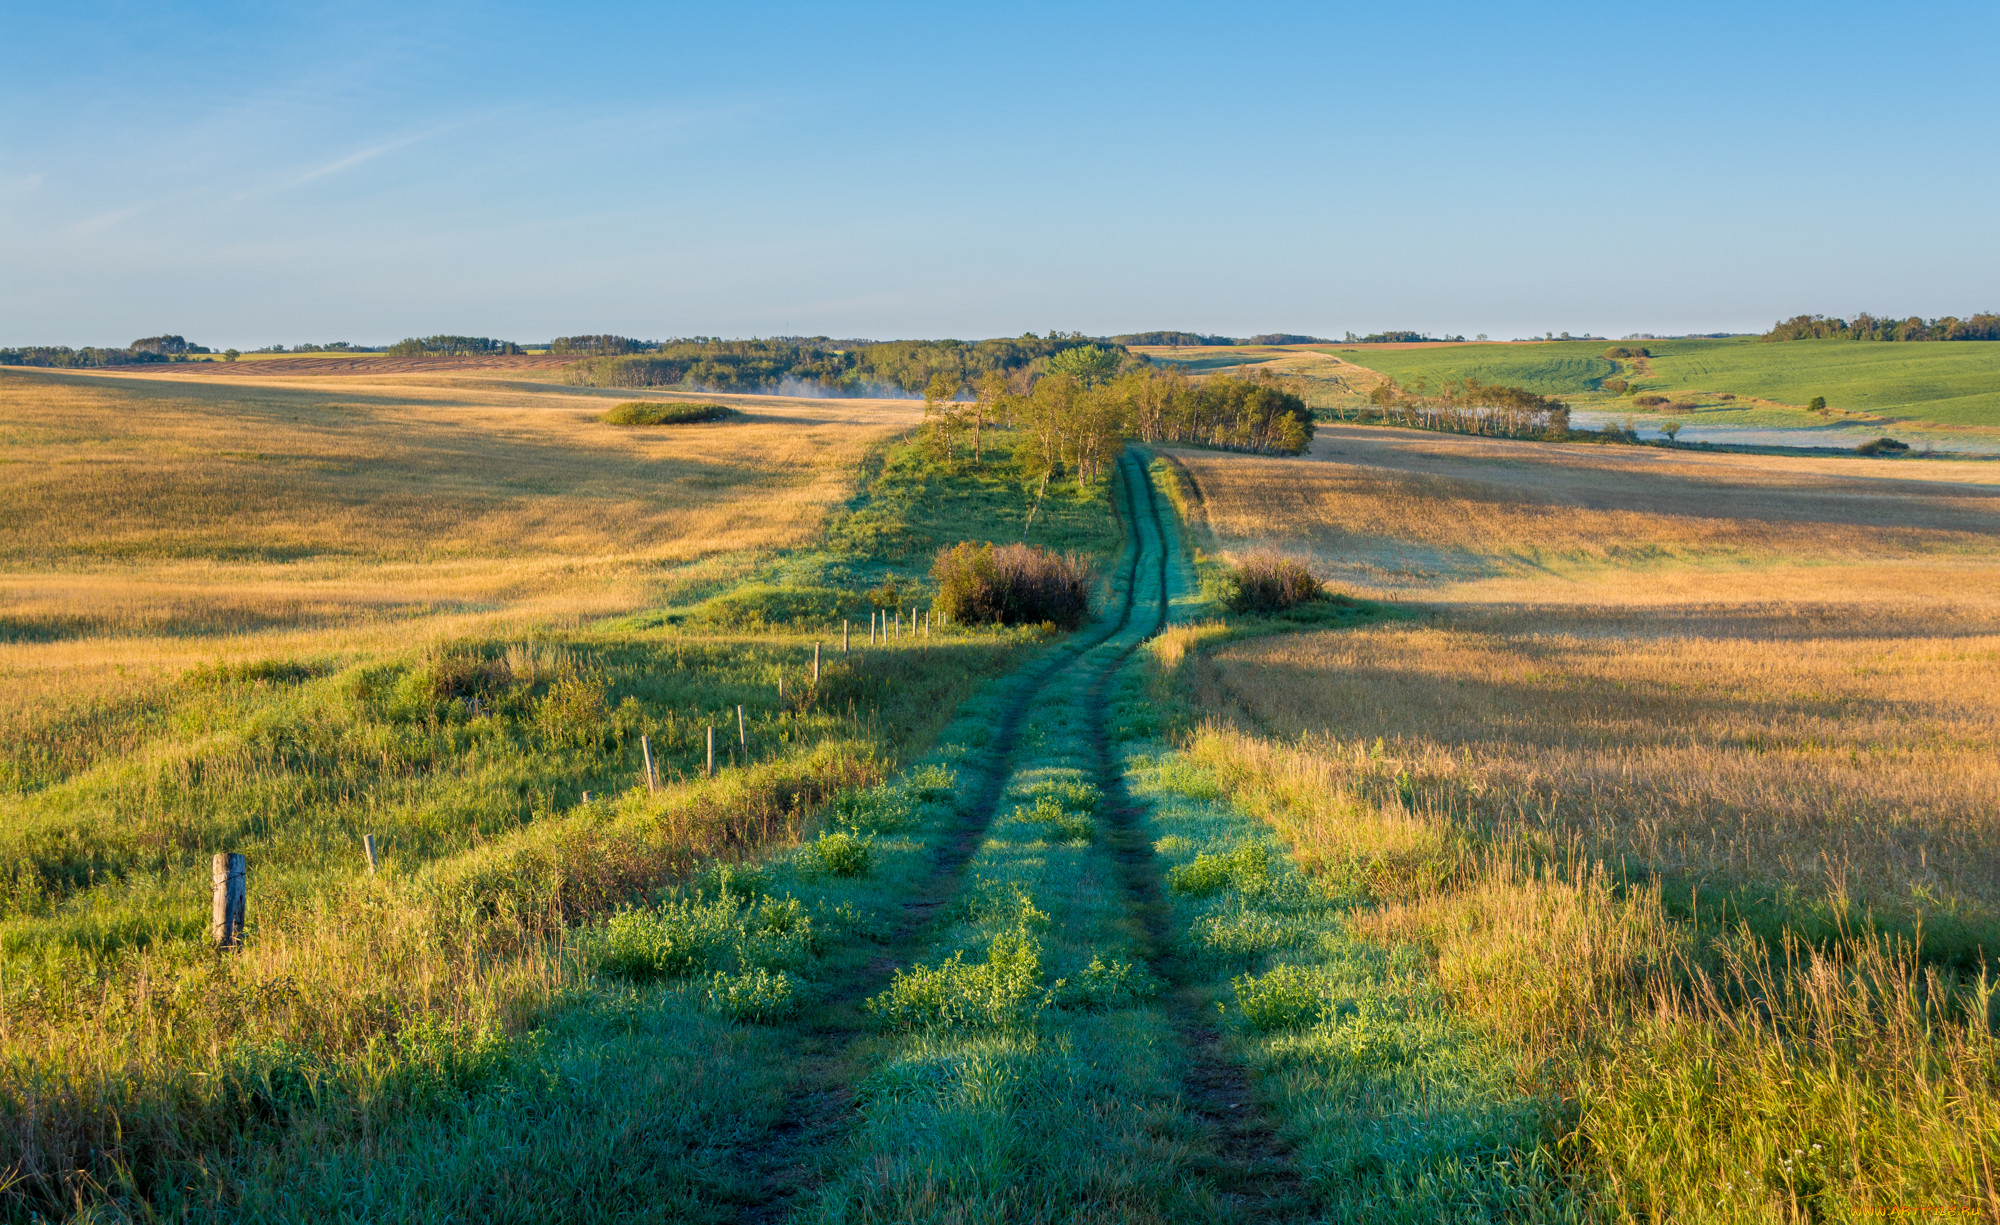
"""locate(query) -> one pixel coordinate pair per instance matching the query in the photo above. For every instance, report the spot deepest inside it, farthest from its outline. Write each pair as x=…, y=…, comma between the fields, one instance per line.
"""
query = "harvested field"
x=152, y=521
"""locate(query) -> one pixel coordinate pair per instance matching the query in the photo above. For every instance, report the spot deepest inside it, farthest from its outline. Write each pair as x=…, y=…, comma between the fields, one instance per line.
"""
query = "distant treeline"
x=1473, y=407
x=1401, y=338
x=1984, y=326
x=841, y=367
x=450, y=346
x=143, y=350
x=1195, y=339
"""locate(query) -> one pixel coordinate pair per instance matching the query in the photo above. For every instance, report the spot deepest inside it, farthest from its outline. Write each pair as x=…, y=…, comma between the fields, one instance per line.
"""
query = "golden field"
x=152, y=520
x=1682, y=769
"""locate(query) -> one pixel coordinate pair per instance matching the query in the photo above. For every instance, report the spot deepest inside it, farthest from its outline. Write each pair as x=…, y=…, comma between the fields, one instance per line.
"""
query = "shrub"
x=572, y=711
x=1285, y=998
x=758, y=605
x=933, y=783
x=644, y=412
x=1014, y=584
x=673, y=941
x=1005, y=990
x=691, y=936
x=756, y=995
x=1057, y=824
x=841, y=854
x=1108, y=984
x=1649, y=401
x=874, y=810
x=1677, y=406
x=1883, y=446
x=1270, y=583
x=1075, y=796
x=1247, y=865
x=1616, y=386
x=1817, y=404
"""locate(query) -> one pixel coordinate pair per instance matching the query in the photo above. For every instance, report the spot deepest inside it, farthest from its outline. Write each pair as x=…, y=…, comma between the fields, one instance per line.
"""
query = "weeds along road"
x=1034, y=1057
x=822, y=1104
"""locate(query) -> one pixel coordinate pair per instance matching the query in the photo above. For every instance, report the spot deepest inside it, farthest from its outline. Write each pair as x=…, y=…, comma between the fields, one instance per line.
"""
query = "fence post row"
x=231, y=897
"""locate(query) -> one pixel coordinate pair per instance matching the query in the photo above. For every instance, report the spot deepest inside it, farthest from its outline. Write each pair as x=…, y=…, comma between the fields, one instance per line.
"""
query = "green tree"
x=1817, y=404
x=1090, y=365
x=1670, y=430
x=230, y=355
x=943, y=411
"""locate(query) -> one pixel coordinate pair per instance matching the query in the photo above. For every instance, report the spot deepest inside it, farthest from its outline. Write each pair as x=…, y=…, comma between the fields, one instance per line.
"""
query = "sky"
x=256, y=174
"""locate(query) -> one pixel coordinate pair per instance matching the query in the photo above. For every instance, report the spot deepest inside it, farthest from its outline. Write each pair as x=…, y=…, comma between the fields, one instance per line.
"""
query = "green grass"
x=1953, y=383
x=447, y=994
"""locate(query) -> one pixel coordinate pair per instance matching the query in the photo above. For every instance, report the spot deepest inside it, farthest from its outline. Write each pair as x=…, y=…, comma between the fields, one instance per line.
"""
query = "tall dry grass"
x=1682, y=770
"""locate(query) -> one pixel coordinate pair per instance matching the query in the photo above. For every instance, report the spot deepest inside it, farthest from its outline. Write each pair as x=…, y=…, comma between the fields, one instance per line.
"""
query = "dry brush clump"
x=1012, y=584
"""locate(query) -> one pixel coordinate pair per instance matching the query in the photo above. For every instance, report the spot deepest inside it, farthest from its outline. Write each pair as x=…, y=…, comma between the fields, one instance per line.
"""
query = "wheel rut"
x=1250, y=1167
x=821, y=1104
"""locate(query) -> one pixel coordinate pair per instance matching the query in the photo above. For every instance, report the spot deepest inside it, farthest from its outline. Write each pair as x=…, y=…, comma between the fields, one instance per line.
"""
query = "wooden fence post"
x=231, y=899
x=711, y=750
x=652, y=784
x=742, y=735
x=368, y=845
x=815, y=665
x=843, y=635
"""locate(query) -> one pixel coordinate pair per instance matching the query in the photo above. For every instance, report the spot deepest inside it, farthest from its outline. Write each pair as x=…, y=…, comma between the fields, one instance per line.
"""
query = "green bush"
x=1058, y=824
x=1248, y=866
x=1883, y=446
x=1014, y=584
x=1285, y=998
x=1073, y=795
x=1266, y=582
x=841, y=853
x=756, y=995
x=1105, y=984
x=1006, y=990
x=756, y=606
x=874, y=810
x=646, y=412
x=690, y=936
x=931, y=783
x=1816, y=405
x=1616, y=386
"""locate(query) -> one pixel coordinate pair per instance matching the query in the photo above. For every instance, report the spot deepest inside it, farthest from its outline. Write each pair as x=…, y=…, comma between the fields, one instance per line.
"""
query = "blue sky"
x=257, y=174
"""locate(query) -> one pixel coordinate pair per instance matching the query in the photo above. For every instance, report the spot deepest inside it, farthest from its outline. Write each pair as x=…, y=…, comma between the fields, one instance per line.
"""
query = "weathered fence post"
x=231, y=896
x=815, y=665
x=711, y=750
x=843, y=635
x=646, y=747
x=742, y=734
x=368, y=845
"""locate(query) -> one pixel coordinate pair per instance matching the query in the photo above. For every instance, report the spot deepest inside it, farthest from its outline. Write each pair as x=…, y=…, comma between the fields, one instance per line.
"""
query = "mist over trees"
x=1983, y=326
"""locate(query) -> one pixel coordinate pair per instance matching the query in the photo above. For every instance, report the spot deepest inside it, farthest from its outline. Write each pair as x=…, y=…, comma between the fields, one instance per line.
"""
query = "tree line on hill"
x=1469, y=406
x=1983, y=326
x=451, y=346
x=163, y=348
x=1190, y=340
x=836, y=367
x=1085, y=402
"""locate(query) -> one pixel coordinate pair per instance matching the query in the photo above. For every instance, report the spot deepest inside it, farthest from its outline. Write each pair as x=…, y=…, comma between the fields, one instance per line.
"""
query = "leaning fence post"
x=647, y=748
x=368, y=846
x=815, y=664
x=711, y=750
x=231, y=895
x=742, y=736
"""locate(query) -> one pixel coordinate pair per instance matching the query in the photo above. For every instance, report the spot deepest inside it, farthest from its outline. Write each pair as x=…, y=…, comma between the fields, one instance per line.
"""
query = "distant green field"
x=1950, y=383
x=1561, y=366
